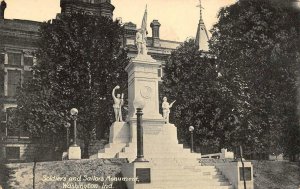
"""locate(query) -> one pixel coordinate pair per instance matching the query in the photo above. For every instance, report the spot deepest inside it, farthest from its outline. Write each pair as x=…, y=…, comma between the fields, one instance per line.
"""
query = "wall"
x=49, y=174
x=28, y=151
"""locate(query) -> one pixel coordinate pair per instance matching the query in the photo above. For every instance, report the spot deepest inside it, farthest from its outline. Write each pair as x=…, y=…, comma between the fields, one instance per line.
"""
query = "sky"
x=179, y=18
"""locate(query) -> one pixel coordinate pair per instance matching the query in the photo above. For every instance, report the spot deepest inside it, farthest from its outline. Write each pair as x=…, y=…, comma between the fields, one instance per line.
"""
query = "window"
x=28, y=61
x=2, y=123
x=160, y=74
x=2, y=58
x=27, y=76
x=14, y=78
x=12, y=152
x=14, y=59
x=11, y=129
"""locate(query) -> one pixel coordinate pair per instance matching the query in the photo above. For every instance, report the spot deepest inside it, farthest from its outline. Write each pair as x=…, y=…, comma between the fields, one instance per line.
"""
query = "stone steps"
x=183, y=183
x=187, y=186
x=217, y=177
x=123, y=150
x=110, y=150
x=128, y=150
x=172, y=166
x=176, y=174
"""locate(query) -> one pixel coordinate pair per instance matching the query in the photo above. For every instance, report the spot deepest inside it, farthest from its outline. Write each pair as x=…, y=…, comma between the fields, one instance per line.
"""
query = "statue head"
x=165, y=99
x=118, y=95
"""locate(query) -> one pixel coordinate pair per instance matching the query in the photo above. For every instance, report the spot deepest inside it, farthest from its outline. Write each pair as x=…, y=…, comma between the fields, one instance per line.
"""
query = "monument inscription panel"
x=143, y=175
x=247, y=171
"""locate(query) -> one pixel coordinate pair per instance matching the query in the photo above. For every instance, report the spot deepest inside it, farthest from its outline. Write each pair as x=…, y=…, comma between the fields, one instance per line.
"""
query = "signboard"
x=143, y=175
x=248, y=174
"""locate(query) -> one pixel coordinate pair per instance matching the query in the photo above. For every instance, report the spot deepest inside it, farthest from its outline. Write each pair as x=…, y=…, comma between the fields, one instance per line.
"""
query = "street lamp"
x=74, y=113
x=68, y=125
x=191, y=129
x=139, y=105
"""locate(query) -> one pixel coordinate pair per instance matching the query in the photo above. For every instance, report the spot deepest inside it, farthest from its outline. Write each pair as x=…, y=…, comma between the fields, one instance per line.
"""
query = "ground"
x=276, y=175
x=267, y=174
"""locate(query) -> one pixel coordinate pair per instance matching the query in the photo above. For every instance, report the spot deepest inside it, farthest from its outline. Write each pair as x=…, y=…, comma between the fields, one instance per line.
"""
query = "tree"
x=257, y=45
x=80, y=60
x=191, y=78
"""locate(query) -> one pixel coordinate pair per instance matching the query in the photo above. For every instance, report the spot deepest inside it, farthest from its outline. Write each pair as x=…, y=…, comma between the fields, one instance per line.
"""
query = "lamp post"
x=68, y=125
x=139, y=105
x=239, y=149
x=191, y=129
x=74, y=113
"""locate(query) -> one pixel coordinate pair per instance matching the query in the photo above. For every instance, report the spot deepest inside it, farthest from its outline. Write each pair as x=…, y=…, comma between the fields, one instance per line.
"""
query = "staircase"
x=184, y=174
x=170, y=173
x=172, y=166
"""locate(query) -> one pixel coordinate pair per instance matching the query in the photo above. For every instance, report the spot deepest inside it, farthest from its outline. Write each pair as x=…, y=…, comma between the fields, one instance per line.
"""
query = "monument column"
x=143, y=84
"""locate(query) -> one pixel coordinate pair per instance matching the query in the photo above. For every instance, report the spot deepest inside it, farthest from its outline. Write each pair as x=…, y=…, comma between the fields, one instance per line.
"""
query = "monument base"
x=138, y=174
x=74, y=152
x=234, y=173
x=119, y=132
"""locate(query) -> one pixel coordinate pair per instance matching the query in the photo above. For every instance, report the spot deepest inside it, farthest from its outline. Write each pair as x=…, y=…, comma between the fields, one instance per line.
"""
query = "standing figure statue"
x=3, y=6
x=141, y=41
x=166, y=108
x=118, y=103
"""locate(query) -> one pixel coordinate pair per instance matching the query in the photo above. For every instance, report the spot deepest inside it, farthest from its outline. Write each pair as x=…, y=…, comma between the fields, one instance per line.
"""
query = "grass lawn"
x=276, y=175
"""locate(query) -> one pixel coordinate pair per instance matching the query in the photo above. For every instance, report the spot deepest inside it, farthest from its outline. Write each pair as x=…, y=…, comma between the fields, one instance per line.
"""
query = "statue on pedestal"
x=166, y=108
x=141, y=36
x=118, y=103
x=141, y=42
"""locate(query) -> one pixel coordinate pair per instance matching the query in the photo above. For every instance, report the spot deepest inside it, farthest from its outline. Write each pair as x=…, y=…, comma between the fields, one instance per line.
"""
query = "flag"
x=144, y=22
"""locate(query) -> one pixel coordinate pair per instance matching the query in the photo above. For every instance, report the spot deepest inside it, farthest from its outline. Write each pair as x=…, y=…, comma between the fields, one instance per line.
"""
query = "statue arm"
x=113, y=93
x=172, y=103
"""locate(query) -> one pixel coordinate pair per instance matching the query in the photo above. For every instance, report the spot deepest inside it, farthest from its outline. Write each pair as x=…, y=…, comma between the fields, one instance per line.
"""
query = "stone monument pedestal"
x=74, y=152
x=119, y=133
x=139, y=170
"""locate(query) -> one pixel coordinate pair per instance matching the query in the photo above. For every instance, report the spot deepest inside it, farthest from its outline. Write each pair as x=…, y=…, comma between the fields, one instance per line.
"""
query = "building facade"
x=17, y=46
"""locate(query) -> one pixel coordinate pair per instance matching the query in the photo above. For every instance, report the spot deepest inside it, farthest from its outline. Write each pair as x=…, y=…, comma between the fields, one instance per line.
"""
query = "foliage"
x=253, y=100
x=79, y=63
x=191, y=79
x=257, y=45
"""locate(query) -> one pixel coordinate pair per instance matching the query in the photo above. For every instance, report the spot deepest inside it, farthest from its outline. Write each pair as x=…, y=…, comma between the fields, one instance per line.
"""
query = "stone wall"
x=28, y=150
x=19, y=150
x=49, y=175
